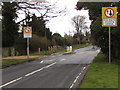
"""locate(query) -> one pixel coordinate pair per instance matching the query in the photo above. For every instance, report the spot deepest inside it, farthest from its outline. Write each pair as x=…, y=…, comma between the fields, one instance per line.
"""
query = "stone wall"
x=9, y=51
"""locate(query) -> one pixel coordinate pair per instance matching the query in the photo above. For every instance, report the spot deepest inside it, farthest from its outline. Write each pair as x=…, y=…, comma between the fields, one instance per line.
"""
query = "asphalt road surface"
x=54, y=71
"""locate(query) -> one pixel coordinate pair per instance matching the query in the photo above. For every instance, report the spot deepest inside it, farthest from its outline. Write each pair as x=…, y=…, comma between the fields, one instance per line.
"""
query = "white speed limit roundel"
x=109, y=12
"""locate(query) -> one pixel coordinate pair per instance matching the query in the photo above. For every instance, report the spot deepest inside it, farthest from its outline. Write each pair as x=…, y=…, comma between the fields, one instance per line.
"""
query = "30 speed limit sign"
x=109, y=16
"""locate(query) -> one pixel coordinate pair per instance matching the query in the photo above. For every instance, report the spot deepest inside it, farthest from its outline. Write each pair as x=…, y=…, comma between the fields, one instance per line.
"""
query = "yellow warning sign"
x=109, y=16
x=109, y=12
x=27, y=32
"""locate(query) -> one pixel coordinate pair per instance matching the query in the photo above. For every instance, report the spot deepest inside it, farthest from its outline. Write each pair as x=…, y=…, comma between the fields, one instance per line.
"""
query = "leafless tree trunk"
x=79, y=23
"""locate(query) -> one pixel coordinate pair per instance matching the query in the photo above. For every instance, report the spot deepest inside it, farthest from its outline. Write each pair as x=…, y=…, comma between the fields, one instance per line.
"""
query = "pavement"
x=21, y=57
x=53, y=71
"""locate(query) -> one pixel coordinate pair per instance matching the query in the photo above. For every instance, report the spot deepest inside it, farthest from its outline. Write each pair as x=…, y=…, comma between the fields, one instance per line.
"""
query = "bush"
x=38, y=42
x=20, y=45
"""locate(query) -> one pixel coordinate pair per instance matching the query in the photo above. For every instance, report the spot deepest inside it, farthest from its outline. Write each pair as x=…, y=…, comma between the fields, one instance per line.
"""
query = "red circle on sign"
x=106, y=11
x=27, y=30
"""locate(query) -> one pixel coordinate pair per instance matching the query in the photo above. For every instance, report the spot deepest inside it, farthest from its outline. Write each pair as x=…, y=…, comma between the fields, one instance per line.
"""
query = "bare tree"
x=45, y=9
x=79, y=24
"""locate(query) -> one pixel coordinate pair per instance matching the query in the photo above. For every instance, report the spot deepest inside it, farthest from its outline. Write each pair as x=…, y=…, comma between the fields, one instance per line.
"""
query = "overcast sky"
x=63, y=24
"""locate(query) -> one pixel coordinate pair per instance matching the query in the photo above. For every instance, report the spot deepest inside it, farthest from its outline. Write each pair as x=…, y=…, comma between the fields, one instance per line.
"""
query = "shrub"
x=38, y=42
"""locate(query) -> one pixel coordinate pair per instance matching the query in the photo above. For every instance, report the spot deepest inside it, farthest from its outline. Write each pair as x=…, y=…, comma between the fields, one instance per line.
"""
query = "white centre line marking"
x=45, y=61
x=63, y=59
x=10, y=82
x=41, y=62
x=39, y=69
x=33, y=72
x=53, y=56
x=50, y=65
x=50, y=60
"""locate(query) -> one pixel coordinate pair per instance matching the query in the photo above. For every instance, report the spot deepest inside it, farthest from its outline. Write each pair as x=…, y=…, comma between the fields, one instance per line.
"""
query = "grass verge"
x=9, y=62
x=81, y=46
x=101, y=74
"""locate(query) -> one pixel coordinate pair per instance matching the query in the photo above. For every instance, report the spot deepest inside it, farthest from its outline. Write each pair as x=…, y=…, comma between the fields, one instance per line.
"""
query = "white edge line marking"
x=77, y=78
x=71, y=86
x=10, y=82
x=84, y=68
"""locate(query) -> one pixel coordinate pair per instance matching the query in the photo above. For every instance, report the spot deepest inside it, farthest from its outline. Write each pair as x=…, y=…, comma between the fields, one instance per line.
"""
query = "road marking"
x=84, y=68
x=86, y=52
x=53, y=56
x=63, y=59
x=10, y=82
x=76, y=78
x=39, y=69
x=50, y=65
x=71, y=86
x=50, y=60
x=33, y=72
x=98, y=50
x=41, y=62
x=45, y=61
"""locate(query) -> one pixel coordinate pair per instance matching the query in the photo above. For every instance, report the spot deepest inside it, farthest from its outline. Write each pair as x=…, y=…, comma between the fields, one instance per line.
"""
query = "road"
x=53, y=71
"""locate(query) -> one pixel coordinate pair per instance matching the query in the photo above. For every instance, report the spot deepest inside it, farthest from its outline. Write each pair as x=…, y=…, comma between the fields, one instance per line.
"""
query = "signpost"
x=27, y=34
x=109, y=19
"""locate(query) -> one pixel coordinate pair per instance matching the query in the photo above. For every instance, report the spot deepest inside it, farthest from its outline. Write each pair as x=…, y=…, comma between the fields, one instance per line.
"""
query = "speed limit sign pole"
x=109, y=19
x=28, y=49
x=27, y=34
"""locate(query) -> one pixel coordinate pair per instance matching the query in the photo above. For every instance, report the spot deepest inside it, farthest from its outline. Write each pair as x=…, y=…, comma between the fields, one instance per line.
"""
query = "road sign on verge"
x=109, y=16
x=109, y=19
x=27, y=32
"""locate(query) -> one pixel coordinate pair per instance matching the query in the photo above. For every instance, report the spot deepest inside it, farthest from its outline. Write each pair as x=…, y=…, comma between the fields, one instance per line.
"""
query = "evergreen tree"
x=9, y=27
x=38, y=26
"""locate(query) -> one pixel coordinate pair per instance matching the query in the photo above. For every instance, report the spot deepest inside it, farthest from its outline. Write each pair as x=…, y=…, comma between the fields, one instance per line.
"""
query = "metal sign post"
x=109, y=46
x=109, y=19
x=28, y=48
